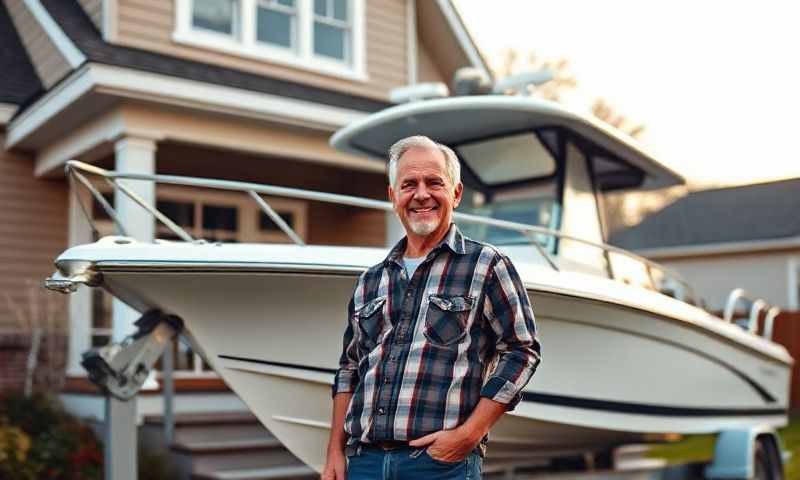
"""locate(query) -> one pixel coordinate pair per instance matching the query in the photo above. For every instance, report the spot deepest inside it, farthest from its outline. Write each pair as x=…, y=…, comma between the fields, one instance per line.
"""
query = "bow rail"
x=658, y=275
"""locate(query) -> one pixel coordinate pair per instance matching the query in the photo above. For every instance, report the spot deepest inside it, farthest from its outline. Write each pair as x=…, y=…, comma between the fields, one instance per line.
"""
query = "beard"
x=423, y=228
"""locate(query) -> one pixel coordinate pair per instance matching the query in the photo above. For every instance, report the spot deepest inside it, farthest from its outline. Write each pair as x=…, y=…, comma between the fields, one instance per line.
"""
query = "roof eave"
x=720, y=248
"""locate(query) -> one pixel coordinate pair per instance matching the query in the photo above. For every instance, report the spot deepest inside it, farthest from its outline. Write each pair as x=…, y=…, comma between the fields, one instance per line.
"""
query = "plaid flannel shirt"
x=419, y=353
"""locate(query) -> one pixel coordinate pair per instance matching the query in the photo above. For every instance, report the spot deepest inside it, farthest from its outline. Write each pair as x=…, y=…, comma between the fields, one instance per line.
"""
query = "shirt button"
x=408, y=294
x=381, y=411
x=385, y=380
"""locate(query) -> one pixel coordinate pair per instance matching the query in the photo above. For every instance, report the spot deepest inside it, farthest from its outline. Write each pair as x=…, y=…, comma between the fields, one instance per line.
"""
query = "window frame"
x=245, y=44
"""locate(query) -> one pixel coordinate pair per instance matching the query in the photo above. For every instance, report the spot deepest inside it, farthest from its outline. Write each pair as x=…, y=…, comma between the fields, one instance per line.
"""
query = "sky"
x=716, y=83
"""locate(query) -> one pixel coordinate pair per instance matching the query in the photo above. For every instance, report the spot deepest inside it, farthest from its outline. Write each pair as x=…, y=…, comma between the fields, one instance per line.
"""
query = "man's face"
x=423, y=195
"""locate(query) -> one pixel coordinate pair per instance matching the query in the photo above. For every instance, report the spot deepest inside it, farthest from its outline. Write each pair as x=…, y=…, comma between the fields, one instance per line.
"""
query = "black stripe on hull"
x=577, y=402
x=645, y=409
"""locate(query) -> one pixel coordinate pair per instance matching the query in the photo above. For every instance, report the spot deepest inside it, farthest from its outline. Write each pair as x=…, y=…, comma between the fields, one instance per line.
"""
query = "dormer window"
x=326, y=36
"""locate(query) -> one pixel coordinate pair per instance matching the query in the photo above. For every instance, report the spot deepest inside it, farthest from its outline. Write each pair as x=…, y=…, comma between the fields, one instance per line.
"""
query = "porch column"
x=80, y=302
x=133, y=155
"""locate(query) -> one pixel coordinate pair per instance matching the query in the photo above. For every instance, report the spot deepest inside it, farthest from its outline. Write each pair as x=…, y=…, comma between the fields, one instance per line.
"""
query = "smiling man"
x=440, y=338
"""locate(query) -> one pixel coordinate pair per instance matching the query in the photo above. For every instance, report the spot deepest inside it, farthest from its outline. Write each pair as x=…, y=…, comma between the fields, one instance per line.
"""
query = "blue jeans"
x=408, y=463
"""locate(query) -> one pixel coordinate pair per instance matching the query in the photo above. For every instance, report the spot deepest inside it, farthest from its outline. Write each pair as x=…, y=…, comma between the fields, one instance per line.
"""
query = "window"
x=331, y=28
x=276, y=22
x=326, y=36
x=215, y=15
x=508, y=159
x=510, y=178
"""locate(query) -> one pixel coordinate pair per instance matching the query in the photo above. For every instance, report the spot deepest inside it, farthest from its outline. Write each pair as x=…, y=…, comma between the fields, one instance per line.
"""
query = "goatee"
x=423, y=228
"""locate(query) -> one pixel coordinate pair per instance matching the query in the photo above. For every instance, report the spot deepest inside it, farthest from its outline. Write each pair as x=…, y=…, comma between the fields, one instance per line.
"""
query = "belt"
x=387, y=445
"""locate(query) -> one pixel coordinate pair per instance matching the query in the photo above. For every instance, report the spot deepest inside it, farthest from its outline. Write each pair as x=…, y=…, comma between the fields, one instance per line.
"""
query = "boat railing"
x=658, y=276
x=756, y=306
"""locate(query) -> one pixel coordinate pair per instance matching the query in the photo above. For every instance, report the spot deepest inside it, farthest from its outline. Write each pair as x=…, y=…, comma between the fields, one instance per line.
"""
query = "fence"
x=787, y=333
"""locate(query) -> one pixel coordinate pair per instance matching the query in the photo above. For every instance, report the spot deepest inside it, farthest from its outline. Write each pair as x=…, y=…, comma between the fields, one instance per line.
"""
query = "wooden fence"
x=787, y=333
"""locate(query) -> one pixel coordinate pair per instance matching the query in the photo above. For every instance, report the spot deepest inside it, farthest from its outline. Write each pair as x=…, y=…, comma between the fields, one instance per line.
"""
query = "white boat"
x=627, y=355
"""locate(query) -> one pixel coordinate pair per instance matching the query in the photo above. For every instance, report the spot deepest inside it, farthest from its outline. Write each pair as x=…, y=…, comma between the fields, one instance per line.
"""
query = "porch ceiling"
x=99, y=129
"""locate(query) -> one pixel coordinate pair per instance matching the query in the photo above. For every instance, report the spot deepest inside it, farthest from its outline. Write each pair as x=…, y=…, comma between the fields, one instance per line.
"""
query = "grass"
x=700, y=448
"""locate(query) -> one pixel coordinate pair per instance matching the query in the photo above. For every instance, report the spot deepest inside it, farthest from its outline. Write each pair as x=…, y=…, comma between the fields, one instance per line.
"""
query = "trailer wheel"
x=767, y=461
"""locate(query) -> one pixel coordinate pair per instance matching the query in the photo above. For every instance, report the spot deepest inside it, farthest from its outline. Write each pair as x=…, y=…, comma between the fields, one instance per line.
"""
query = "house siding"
x=149, y=24
x=763, y=275
x=427, y=70
x=94, y=8
x=48, y=62
x=33, y=231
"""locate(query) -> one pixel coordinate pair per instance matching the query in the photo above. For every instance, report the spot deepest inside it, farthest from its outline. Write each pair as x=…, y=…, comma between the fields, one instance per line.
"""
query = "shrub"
x=39, y=440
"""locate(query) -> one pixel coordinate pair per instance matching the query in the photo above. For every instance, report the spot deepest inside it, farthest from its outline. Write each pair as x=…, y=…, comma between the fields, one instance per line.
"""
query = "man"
x=440, y=338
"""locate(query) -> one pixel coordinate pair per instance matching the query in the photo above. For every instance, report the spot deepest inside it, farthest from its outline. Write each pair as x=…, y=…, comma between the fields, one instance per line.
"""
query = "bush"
x=39, y=440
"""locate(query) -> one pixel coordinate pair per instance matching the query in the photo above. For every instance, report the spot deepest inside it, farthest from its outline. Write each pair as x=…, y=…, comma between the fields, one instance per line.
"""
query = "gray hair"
x=420, y=141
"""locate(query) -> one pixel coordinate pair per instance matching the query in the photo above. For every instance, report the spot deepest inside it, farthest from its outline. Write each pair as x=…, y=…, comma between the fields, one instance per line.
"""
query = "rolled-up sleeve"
x=346, y=378
x=508, y=310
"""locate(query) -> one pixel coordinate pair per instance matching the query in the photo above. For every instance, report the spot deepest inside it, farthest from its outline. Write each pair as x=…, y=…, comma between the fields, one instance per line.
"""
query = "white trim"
x=411, y=40
x=54, y=101
x=109, y=20
x=457, y=26
x=102, y=129
x=244, y=44
x=136, y=84
x=793, y=284
x=719, y=248
x=71, y=54
x=7, y=110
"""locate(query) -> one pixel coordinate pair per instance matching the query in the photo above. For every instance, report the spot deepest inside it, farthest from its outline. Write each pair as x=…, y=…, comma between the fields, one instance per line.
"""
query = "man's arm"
x=508, y=312
x=336, y=463
x=344, y=384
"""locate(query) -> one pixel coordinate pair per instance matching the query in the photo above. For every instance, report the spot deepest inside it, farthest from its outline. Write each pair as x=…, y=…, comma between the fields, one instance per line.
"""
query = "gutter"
x=719, y=249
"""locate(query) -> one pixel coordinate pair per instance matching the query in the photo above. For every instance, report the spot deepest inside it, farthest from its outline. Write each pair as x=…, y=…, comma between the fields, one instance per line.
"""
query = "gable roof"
x=19, y=82
x=79, y=28
x=759, y=212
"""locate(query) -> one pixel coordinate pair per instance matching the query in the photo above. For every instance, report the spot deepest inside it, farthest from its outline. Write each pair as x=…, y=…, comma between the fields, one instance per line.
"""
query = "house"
x=246, y=90
x=720, y=239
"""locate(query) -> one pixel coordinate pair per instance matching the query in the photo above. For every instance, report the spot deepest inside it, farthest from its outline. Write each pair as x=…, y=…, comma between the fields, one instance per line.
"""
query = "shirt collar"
x=454, y=241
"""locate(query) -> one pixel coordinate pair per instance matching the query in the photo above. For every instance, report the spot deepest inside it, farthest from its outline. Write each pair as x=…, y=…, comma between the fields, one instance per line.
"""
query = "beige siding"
x=149, y=24
x=33, y=231
x=427, y=69
x=94, y=8
x=50, y=65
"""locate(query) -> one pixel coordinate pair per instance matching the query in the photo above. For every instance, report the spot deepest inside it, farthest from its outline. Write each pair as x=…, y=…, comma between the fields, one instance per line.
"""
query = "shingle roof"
x=79, y=28
x=18, y=81
x=762, y=211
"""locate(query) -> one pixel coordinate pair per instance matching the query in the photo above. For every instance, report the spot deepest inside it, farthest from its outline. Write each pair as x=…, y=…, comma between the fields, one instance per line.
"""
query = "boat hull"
x=611, y=374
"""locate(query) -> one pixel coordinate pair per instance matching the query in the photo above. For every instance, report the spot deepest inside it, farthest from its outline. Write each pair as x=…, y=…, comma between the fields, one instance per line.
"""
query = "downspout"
x=411, y=41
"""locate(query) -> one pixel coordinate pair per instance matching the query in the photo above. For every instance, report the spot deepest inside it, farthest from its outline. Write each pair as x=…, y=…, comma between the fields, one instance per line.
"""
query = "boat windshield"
x=513, y=178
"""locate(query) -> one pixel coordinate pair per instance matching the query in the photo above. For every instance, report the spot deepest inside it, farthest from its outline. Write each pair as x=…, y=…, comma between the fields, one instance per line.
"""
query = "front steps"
x=224, y=446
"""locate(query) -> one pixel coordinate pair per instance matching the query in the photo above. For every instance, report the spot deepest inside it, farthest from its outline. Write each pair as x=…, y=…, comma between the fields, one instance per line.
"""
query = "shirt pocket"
x=447, y=317
x=370, y=319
